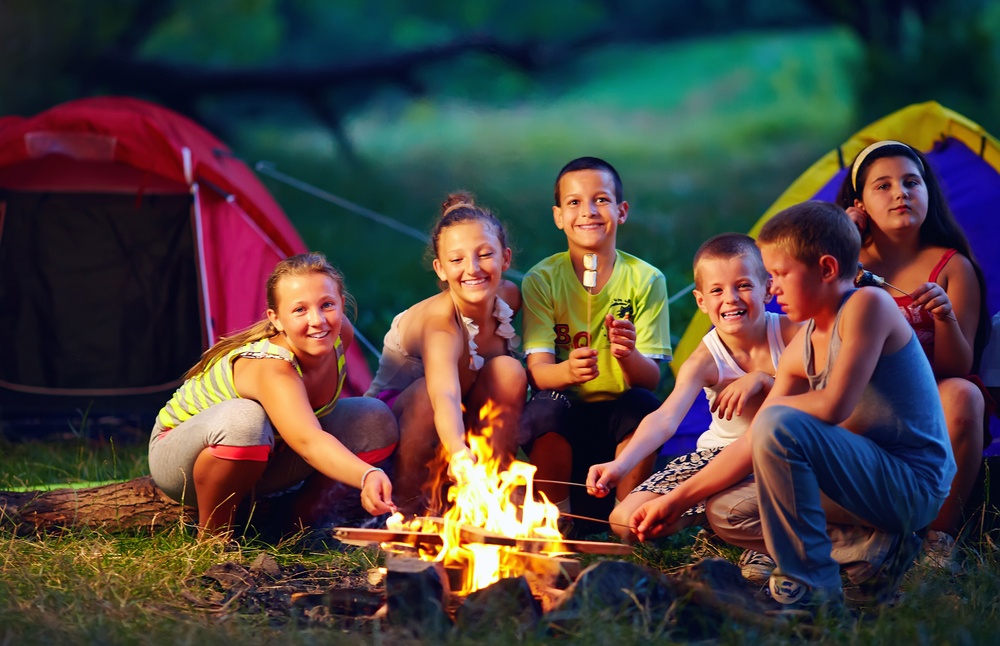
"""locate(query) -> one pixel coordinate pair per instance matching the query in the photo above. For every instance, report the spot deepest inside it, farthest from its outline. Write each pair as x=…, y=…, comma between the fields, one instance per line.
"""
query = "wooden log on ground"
x=134, y=504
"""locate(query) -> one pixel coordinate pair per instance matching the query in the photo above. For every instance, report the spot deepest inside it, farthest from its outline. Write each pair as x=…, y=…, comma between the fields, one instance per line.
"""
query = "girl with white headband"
x=912, y=240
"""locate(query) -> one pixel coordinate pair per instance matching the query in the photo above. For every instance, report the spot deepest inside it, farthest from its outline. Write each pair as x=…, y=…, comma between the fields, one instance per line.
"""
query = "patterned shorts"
x=677, y=471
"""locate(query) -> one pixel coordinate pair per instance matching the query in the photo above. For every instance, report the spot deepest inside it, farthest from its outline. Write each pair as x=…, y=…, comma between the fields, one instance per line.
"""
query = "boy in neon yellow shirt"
x=592, y=353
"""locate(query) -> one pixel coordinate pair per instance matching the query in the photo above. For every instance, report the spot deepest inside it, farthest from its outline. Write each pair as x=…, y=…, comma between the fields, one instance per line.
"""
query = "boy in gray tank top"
x=850, y=440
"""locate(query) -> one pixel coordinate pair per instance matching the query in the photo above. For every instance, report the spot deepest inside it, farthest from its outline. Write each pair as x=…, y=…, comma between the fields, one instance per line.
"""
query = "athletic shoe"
x=756, y=567
x=883, y=587
x=796, y=600
x=939, y=552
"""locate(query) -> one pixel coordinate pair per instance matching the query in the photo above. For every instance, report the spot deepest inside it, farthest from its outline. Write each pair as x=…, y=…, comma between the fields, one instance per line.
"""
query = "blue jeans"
x=804, y=467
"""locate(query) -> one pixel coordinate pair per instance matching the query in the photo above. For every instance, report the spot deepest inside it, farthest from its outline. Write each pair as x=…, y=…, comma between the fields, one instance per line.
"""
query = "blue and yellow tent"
x=967, y=161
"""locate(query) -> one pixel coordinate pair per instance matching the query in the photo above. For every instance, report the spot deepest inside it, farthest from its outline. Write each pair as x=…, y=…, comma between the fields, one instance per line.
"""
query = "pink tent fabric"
x=126, y=146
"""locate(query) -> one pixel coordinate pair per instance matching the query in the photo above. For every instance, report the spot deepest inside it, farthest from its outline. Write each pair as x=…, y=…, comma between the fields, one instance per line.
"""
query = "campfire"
x=493, y=527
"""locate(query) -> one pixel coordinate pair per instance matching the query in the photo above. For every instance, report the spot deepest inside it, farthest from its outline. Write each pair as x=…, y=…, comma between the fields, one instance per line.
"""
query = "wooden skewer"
x=596, y=520
x=558, y=482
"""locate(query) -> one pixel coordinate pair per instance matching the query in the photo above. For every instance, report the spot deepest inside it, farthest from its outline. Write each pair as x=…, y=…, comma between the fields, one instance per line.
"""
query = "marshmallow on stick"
x=590, y=270
x=589, y=280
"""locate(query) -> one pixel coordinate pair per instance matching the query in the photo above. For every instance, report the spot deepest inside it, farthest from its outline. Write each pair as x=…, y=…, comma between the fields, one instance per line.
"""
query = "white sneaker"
x=756, y=567
x=939, y=551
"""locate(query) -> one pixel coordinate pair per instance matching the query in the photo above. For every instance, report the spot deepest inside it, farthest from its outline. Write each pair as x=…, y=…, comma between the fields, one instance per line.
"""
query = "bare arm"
x=441, y=349
x=955, y=307
x=659, y=426
x=730, y=466
x=276, y=385
x=546, y=374
x=870, y=326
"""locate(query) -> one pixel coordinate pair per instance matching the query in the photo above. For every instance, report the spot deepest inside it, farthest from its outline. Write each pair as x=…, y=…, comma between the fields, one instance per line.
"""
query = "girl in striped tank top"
x=261, y=411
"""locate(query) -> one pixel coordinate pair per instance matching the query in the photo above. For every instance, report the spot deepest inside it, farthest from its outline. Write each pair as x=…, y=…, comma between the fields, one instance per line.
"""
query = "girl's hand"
x=582, y=365
x=460, y=466
x=859, y=218
x=932, y=298
x=376, y=495
x=731, y=399
x=602, y=478
x=621, y=335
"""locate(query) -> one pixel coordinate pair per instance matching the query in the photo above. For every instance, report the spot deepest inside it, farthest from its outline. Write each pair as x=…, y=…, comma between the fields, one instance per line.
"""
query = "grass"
x=90, y=587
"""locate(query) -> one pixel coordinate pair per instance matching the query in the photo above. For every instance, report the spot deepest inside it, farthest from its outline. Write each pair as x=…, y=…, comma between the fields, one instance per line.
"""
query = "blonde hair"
x=302, y=264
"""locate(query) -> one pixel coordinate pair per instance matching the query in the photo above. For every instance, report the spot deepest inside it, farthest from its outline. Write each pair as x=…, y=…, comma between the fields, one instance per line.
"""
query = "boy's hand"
x=602, y=478
x=932, y=298
x=582, y=364
x=654, y=518
x=621, y=335
x=376, y=497
x=731, y=399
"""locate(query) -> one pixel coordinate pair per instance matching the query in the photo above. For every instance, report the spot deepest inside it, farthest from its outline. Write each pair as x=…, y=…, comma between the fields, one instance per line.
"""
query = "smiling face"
x=793, y=284
x=588, y=212
x=894, y=195
x=732, y=292
x=471, y=260
x=309, y=313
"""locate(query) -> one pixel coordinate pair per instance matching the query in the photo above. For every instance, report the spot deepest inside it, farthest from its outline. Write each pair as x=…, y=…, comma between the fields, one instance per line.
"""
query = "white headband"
x=872, y=147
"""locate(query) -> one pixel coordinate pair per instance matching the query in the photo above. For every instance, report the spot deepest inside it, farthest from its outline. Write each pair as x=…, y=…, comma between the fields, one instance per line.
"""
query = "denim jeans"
x=804, y=469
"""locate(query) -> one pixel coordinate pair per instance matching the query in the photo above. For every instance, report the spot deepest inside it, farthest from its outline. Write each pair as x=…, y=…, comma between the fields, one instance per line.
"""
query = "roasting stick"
x=597, y=520
x=866, y=277
x=589, y=282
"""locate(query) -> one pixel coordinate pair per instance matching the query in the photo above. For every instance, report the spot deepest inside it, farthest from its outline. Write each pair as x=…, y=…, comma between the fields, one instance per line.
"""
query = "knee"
x=621, y=521
x=770, y=429
x=732, y=512
x=508, y=382
x=543, y=413
x=242, y=422
x=964, y=408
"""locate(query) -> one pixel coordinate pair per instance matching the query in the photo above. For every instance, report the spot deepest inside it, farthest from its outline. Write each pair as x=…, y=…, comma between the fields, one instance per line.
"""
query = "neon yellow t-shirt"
x=555, y=313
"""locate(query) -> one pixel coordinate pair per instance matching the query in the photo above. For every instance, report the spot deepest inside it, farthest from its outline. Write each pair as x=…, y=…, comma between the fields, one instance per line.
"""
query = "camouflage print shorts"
x=677, y=471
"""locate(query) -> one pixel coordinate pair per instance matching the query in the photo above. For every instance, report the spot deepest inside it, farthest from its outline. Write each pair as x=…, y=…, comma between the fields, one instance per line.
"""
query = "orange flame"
x=488, y=501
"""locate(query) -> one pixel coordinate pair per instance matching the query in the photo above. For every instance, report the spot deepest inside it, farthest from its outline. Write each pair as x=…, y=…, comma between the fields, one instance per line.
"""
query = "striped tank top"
x=216, y=384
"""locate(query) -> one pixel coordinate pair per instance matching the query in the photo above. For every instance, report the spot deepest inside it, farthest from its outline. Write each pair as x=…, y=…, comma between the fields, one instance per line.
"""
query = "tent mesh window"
x=100, y=291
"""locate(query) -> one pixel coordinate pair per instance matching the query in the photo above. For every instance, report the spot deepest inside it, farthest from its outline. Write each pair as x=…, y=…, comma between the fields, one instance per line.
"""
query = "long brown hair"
x=299, y=265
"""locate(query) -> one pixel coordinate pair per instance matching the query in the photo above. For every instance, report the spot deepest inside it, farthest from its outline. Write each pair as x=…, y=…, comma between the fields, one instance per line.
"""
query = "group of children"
x=835, y=426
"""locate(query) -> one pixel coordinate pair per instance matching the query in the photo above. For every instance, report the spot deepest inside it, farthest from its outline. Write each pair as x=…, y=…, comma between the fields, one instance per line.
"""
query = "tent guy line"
x=269, y=169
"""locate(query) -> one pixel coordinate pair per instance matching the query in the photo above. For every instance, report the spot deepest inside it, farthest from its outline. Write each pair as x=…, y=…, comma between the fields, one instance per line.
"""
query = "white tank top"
x=721, y=431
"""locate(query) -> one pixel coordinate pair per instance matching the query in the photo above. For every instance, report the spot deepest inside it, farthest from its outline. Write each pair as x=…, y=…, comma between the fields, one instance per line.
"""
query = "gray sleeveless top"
x=900, y=408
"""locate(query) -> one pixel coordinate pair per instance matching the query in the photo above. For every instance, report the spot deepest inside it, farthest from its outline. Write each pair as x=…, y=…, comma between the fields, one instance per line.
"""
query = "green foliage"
x=699, y=153
x=219, y=33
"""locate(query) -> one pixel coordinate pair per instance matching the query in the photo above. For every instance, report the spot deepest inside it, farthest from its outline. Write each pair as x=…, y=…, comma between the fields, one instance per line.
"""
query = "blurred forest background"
x=708, y=109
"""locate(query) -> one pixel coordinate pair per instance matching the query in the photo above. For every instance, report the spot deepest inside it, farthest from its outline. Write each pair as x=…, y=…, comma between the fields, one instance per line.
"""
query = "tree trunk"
x=135, y=504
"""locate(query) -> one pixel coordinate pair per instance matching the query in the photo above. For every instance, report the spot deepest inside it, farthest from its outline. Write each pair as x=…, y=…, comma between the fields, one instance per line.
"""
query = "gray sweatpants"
x=366, y=426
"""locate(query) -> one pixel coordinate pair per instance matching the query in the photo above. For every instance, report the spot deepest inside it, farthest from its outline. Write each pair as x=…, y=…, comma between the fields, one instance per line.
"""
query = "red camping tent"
x=130, y=240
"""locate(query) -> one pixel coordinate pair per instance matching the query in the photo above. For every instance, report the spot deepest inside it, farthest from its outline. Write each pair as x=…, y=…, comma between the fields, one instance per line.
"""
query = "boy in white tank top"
x=734, y=365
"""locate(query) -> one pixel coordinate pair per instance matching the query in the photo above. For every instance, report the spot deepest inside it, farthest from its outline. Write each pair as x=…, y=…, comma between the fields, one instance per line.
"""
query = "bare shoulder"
x=871, y=312
x=511, y=294
x=699, y=368
x=435, y=313
x=959, y=268
x=254, y=377
x=789, y=328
